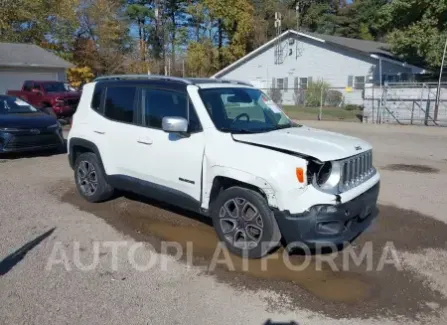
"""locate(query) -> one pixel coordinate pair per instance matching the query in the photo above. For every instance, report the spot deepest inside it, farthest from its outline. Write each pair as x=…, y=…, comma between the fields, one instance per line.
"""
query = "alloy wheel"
x=87, y=178
x=241, y=223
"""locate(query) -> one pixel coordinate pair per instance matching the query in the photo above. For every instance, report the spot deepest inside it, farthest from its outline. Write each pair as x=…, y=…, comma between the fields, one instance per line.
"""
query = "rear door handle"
x=99, y=132
x=145, y=141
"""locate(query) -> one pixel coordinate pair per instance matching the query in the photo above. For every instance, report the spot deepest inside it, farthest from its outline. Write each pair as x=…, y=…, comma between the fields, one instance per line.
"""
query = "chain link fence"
x=393, y=103
x=319, y=102
x=406, y=103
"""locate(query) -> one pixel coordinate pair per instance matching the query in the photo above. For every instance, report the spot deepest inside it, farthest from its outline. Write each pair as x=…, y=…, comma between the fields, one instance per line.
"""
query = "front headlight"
x=328, y=177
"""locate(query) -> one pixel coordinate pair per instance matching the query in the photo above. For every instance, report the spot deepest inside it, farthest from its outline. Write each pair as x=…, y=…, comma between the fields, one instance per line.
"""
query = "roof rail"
x=189, y=81
x=216, y=80
x=141, y=76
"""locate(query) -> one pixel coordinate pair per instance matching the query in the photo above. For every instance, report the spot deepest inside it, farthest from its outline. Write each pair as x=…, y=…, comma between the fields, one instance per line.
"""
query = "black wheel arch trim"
x=75, y=142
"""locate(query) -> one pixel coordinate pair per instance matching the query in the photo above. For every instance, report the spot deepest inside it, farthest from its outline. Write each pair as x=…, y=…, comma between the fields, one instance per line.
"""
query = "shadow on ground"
x=8, y=263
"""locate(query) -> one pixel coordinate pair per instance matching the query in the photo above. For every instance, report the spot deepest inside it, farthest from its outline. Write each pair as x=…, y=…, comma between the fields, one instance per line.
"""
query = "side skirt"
x=155, y=191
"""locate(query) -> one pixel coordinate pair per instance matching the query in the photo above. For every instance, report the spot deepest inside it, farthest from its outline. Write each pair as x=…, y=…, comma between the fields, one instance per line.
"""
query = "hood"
x=28, y=120
x=320, y=144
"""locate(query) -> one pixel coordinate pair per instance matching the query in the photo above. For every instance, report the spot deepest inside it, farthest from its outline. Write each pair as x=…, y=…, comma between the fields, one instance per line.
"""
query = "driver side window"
x=159, y=103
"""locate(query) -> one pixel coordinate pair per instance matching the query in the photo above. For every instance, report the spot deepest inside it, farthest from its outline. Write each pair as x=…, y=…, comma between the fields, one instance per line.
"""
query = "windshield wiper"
x=286, y=126
x=241, y=130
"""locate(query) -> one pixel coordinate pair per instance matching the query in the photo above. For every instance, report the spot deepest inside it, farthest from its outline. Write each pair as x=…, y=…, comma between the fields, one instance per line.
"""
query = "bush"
x=334, y=98
x=313, y=93
x=352, y=107
x=276, y=95
x=299, y=97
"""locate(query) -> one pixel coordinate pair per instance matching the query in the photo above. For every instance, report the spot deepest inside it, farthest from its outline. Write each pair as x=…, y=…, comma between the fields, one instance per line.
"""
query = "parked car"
x=225, y=150
x=25, y=128
x=52, y=97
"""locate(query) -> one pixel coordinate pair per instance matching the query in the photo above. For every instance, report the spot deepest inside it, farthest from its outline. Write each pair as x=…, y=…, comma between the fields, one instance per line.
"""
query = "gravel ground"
x=49, y=236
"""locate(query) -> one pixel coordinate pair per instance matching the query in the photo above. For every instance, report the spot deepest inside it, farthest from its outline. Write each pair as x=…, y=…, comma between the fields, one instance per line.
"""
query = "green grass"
x=328, y=113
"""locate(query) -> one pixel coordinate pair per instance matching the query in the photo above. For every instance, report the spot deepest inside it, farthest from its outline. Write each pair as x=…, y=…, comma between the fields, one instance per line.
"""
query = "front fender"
x=240, y=176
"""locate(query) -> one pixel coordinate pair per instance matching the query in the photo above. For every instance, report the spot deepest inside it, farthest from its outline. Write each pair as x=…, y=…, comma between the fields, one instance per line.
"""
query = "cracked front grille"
x=356, y=170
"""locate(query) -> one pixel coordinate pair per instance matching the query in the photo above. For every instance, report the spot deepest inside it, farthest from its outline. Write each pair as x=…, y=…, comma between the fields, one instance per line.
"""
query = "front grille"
x=356, y=170
x=29, y=141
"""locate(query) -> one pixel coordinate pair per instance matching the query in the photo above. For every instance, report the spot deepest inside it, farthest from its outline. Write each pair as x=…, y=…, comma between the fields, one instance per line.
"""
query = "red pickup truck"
x=49, y=95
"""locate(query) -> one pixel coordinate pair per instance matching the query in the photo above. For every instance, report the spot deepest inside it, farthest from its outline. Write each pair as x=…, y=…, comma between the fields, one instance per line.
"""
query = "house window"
x=351, y=81
x=359, y=82
x=303, y=83
x=286, y=84
x=280, y=83
x=296, y=83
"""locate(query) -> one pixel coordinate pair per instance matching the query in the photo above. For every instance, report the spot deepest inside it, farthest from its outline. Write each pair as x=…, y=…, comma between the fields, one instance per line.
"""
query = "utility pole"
x=297, y=16
x=438, y=91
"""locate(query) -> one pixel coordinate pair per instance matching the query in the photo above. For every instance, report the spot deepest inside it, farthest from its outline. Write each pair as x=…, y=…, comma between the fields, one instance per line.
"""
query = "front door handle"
x=99, y=132
x=145, y=141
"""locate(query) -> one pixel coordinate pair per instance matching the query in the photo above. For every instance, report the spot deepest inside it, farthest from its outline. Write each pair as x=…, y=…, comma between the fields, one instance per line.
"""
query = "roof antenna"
x=278, y=47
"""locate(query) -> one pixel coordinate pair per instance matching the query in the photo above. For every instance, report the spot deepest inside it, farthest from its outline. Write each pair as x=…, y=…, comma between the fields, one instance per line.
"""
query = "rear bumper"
x=330, y=224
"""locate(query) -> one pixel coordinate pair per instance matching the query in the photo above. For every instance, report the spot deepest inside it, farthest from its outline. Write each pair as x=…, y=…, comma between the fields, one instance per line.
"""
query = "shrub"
x=313, y=92
x=299, y=96
x=334, y=98
x=276, y=95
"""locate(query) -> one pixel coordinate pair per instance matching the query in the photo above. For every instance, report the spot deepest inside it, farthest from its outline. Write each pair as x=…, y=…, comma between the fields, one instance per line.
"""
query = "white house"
x=293, y=59
x=20, y=62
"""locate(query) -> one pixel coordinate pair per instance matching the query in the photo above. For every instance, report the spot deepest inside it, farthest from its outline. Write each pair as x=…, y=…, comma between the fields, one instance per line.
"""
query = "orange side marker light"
x=300, y=175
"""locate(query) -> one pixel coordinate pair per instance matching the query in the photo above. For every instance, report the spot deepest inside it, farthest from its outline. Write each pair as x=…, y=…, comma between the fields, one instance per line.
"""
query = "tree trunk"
x=220, y=42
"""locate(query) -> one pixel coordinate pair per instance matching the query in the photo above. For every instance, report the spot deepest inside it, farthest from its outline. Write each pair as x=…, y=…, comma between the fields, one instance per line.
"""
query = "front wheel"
x=244, y=221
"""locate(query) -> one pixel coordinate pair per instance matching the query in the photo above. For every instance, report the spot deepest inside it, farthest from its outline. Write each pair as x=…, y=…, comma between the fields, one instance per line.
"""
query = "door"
x=170, y=160
x=120, y=131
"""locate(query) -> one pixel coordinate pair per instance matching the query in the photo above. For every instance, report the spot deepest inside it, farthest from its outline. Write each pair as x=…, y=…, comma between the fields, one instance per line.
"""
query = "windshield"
x=243, y=110
x=13, y=105
x=54, y=87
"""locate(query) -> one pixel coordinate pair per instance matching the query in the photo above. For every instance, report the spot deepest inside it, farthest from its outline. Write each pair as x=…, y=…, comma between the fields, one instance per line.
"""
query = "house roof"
x=29, y=55
x=371, y=49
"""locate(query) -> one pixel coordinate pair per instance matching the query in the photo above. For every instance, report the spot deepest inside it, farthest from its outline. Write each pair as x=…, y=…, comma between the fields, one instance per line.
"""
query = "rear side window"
x=96, y=99
x=120, y=104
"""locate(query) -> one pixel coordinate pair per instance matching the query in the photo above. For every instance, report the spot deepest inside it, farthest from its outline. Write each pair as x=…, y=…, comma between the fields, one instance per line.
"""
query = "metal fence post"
x=321, y=104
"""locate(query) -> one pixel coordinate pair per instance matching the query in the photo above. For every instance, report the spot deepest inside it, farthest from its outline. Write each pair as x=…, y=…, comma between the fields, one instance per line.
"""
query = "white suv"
x=225, y=150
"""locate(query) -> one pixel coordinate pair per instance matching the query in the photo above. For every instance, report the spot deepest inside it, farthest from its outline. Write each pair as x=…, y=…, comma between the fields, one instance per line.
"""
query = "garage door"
x=13, y=80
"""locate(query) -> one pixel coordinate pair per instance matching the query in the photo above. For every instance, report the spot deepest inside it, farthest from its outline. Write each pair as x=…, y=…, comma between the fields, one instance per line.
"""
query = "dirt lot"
x=49, y=236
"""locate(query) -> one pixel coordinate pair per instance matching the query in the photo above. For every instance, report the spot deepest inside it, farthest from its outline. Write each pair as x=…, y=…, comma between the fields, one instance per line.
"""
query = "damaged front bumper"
x=325, y=224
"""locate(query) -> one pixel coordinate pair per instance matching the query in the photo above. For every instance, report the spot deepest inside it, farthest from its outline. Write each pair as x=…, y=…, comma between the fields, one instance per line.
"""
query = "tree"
x=103, y=36
x=32, y=21
x=418, y=30
x=80, y=75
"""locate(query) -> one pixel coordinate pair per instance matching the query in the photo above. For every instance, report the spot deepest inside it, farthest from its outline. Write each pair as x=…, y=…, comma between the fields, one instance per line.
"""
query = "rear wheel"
x=90, y=178
x=244, y=221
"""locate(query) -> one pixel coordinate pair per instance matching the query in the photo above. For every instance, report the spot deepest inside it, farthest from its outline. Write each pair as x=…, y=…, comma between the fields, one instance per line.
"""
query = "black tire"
x=88, y=163
x=264, y=235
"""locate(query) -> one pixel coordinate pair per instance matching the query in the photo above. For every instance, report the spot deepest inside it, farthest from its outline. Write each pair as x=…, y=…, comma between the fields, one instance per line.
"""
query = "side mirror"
x=36, y=91
x=174, y=124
